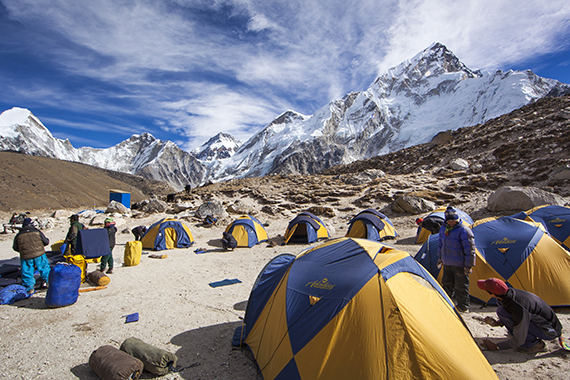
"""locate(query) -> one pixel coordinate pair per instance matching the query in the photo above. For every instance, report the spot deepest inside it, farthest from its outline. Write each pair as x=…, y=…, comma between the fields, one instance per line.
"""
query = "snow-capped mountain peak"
x=408, y=105
x=220, y=146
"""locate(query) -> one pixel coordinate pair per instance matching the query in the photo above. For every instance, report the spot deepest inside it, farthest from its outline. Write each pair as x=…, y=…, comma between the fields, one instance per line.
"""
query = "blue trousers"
x=28, y=267
x=534, y=332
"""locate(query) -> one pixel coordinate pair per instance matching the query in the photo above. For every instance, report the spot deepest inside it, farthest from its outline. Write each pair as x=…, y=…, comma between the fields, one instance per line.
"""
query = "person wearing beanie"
x=108, y=259
x=457, y=254
x=527, y=317
x=30, y=243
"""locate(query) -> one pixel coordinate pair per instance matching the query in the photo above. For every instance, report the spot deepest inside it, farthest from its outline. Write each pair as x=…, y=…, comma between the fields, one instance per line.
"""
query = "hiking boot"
x=110, y=271
x=43, y=285
x=462, y=309
x=538, y=347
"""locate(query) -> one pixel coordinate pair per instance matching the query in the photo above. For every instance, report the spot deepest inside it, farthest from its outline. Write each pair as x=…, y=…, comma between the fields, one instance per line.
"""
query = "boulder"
x=213, y=208
x=412, y=205
x=116, y=207
x=458, y=164
x=238, y=207
x=521, y=198
x=182, y=206
x=155, y=206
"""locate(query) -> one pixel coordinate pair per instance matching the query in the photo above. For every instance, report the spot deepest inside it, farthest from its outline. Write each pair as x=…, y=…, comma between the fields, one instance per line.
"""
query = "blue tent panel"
x=501, y=242
x=339, y=272
x=264, y=286
x=93, y=243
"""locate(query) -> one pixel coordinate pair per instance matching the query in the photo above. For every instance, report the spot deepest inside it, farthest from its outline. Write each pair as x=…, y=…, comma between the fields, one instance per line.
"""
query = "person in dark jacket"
x=457, y=254
x=527, y=317
x=229, y=242
x=74, y=228
x=30, y=243
x=108, y=259
x=431, y=223
x=139, y=232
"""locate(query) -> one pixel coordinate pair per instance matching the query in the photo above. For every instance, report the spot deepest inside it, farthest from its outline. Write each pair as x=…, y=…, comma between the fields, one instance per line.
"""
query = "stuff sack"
x=155, y=360
x=13, y=293
x=79, y=262
x=133, y=252
x=99, y=278
x=64, y=282
x=110, y=363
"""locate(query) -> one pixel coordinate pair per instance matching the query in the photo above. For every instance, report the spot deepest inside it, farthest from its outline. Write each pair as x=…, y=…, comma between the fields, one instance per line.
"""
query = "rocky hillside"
x=528, y=147
x=41, y=183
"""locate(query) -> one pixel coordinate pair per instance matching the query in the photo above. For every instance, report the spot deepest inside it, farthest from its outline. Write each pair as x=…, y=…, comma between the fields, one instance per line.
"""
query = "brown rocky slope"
x=40, y=183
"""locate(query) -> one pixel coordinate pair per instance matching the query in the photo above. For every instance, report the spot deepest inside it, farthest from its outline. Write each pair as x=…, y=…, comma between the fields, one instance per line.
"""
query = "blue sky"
x=99, y=71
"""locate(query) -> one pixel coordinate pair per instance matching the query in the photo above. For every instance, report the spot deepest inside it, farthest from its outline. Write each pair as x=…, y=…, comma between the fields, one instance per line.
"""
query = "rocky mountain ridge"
x=408, y=105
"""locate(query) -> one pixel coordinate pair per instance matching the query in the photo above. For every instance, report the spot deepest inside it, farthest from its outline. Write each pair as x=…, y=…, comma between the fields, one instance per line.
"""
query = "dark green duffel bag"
x=155, y=360
x=110, y=363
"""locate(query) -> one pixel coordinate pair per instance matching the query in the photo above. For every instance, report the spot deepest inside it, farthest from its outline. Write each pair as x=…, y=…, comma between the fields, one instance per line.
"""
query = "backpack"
x=209, y=221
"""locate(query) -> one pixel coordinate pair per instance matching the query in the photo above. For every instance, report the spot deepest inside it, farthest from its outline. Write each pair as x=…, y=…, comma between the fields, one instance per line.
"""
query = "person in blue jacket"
x=457, y=254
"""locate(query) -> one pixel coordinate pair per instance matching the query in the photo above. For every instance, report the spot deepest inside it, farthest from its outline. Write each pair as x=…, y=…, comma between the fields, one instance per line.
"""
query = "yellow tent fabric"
x=248, y=231
x=357, y=309
x=167, y=233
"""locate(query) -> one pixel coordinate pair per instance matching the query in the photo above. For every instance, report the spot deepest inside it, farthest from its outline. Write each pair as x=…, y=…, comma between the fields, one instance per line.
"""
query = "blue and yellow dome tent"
x=371, y=224
x=356, y=309
x=167, y=233
x=248, y=231
x=519, y=252
x=556, y=220
x=422, y=234
x=306, y=228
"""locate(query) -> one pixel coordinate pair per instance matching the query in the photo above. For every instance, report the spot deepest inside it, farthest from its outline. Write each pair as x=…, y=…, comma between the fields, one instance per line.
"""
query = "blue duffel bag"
x=64, y=282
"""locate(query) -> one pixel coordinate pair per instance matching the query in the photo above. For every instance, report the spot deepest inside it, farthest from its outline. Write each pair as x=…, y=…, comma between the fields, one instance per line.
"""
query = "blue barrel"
x=64, y=282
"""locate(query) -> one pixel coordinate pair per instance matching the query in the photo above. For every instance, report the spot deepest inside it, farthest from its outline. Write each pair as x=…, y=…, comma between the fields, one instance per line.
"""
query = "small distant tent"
x=306, y=228
x=356, y=309
x=519, y=252
x=556, y=220
x=248, y=231
x=167, y=233
x=422, y=233
x=371, y=224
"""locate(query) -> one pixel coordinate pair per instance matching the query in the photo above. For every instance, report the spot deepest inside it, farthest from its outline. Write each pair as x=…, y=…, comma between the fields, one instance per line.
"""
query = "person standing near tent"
x=74, y=228
x=30, y=243
x=108, y=259
x=527, y=317
x=457, y=254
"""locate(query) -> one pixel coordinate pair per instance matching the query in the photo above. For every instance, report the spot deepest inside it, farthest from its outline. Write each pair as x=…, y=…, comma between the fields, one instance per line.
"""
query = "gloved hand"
x=467, y=270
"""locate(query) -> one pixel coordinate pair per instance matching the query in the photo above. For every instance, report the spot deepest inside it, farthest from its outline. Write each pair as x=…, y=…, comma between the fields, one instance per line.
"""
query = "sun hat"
x=493, y=285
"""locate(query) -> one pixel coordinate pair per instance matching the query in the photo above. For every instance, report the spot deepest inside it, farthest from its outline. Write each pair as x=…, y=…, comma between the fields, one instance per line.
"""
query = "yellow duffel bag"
x=133, y=252
x=78, y=260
